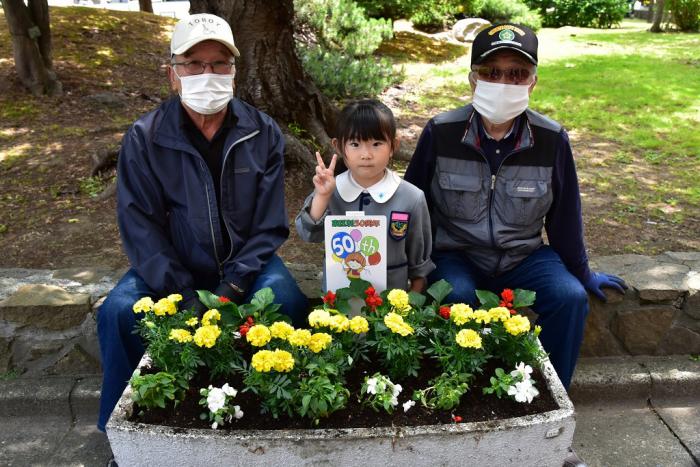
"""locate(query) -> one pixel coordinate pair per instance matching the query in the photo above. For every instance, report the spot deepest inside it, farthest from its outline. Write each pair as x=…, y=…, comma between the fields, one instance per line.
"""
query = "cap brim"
x=189, y=44
x=508, y=47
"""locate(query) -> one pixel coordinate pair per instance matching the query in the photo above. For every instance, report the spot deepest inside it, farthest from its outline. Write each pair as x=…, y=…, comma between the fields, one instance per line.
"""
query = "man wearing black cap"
x=494, y=173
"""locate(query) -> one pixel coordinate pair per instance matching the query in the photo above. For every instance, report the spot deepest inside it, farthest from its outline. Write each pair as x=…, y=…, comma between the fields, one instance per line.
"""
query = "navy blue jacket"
x=167, y=209
x=563, y=221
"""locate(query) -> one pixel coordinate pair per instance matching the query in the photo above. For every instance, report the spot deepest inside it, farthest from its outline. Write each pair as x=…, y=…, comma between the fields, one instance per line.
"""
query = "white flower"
x=214, y=426
x=394, y=401
x=523, y=391
x=396, y=390
x=228, y=390
x=236, y=335
x=408, y=404
x=522, y=370
x=237, y=412
x=372, y=386
x=486, y=331
x=216, y=400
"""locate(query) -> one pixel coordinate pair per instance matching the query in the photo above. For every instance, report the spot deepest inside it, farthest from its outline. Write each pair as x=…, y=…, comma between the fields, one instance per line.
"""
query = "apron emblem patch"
x=398, y=224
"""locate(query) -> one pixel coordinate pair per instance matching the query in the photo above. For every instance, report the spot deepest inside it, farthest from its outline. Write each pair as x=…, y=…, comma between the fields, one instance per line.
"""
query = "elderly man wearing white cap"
x=200, y=200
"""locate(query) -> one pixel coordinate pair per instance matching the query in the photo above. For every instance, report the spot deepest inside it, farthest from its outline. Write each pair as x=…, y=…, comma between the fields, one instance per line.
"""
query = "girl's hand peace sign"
x=324, y=180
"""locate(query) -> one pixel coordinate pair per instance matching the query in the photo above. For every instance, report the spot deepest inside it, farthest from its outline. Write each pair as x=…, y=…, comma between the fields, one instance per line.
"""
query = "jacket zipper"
x=211, y=222
x=221, y=187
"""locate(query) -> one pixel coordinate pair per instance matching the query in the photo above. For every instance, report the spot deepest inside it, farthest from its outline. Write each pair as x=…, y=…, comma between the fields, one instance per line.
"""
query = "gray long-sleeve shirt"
x=408, y=255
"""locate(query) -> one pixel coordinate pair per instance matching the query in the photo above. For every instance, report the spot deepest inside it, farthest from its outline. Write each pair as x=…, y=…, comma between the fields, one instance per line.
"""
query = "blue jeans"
x=122, y=350
x=561, y=303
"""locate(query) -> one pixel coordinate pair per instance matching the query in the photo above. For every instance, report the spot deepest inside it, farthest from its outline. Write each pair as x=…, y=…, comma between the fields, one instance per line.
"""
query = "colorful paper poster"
x=355, y=248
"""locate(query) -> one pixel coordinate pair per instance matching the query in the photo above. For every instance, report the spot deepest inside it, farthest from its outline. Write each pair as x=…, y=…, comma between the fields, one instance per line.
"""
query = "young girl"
x=366, y=140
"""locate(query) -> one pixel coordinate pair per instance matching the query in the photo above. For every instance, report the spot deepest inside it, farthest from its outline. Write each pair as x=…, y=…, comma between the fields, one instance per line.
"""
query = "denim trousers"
x=121, y=349
x=561, y=301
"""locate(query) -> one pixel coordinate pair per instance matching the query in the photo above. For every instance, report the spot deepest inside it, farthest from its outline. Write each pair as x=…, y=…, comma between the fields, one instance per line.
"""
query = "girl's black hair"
x=363, y=120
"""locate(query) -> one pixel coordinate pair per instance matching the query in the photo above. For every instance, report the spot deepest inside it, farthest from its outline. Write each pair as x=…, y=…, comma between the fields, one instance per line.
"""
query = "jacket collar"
x=169, y=132
x=524, y=140
x=381, y=192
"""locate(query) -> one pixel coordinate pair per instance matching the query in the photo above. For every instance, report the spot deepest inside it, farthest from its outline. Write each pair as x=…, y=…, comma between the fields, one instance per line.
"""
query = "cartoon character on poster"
x=355, y=249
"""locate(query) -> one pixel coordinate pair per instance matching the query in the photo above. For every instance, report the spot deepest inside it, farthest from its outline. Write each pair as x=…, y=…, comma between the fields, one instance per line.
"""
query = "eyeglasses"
x=494, y=74
x=196, y=67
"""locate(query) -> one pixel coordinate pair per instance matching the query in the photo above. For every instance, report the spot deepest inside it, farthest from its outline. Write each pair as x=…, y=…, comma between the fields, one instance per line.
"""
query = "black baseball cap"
x=505, y=36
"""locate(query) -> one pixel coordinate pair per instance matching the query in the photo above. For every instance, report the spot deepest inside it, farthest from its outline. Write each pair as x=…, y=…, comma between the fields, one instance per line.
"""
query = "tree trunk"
x=658, y=16
x=31, y=43
x=146, y=5
x=269, y=74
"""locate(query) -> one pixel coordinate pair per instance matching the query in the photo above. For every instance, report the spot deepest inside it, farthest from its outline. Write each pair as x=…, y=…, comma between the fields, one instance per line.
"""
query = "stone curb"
x=54, y=395
x=596, y=379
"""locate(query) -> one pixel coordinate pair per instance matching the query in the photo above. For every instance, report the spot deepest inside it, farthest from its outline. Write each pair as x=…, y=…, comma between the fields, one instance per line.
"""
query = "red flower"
x=507, y=295
x=329, y=298
x=456, y=418
x=445, y=312
x=249, y=321
x=373, y=301
x=370, y=291
x=243, y=329
x=223, y=299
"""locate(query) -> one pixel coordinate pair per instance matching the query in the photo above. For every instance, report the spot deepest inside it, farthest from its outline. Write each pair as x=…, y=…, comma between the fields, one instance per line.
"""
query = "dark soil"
x=474, y=406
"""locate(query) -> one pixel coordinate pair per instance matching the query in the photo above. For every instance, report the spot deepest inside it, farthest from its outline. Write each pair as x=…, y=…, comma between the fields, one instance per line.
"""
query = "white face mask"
x=499, y=102
x=207, y=93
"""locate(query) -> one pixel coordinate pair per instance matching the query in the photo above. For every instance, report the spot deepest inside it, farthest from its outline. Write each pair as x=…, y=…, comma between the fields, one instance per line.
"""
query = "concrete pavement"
x=630, y=411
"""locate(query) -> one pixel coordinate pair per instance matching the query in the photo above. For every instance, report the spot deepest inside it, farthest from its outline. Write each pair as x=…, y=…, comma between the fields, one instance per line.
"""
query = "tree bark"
x=269, y=74
x=31, y=44
x=146, y=5
x=658, y=16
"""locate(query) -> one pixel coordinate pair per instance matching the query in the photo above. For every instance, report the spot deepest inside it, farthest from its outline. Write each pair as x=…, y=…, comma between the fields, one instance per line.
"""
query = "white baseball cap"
x=194, y=29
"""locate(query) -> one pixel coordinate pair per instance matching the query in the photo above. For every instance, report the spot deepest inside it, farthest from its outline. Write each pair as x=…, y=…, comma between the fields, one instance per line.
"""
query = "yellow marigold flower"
x=319, y=318
x=482, y=316
x=211, y=315
x=461, y=313
x=538, y=329
x=281, y=329
x=517, y=324
x=164, y=307
x=192, y=322
x=319, y=341
x=206, y=336
x=258, y=335
x=500, y=313
x=397, y=325
x=263, y=361
x=468, y=338
x=339, y=323
x=283, y=360
x=175, y=297
x=399, y=300
x=300, y=337
x=359, y=324
x=143, y=305
x=180, y=335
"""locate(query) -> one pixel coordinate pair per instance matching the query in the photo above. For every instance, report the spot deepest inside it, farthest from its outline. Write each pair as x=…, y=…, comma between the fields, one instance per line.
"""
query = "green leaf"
x=416, y=299
x=263, y=298
x=208, y=299
x=358, y=287
x=439, y=290
x=487, y=299
x=523, y=298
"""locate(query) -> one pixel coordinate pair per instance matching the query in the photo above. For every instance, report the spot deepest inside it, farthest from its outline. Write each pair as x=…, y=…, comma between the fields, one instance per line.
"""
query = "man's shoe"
x=572, y=460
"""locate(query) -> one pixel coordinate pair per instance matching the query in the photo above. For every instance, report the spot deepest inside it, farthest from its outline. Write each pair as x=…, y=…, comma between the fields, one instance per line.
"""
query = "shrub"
x=335, y=45
x=587, y=13
x=340, y=76
x=686, y=14
x=510, y=11
x=396, y=9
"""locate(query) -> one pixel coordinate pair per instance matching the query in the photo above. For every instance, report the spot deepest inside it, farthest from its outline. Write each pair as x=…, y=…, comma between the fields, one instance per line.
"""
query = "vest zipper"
x=211, y=222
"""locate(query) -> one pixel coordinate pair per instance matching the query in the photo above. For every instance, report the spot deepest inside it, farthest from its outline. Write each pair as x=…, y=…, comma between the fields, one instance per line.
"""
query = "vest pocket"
x=460, y=195
x=526, y=201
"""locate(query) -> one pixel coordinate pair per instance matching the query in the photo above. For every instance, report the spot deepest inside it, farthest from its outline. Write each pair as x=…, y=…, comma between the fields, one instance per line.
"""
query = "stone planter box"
x=541, y=440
